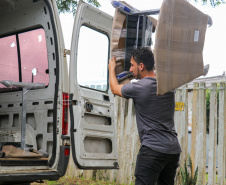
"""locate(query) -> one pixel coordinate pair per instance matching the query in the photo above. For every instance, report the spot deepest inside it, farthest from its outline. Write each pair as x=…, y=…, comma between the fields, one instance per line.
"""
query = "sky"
x=214, y=52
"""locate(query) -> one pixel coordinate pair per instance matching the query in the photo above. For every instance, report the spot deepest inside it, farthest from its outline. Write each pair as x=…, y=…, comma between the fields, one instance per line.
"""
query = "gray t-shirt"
x=154, y=115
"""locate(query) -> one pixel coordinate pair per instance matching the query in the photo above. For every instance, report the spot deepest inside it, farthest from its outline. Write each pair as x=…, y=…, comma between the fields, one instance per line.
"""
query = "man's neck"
x=148, y=74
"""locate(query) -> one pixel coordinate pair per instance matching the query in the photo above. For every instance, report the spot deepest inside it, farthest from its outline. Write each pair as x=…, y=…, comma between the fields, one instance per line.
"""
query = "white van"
x=37, y=93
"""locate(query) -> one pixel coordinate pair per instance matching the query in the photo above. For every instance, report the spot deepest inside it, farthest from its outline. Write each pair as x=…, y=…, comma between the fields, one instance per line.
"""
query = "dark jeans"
x=154, y=167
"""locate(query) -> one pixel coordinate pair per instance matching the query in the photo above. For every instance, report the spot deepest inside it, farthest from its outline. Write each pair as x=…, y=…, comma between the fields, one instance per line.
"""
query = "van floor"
x=24, y=161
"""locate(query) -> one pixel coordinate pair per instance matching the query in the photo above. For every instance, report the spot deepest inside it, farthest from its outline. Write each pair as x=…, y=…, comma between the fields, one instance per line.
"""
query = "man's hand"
x=115, y=87
x=112, y=64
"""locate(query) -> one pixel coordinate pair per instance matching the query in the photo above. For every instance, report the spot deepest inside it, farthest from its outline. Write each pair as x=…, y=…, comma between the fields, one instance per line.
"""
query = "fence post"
x=129, y=146
x=184, y=125
x=181, y=126
x=117, y=103
x=177, y=118
x=194, y=124
x=202, y=135
x=212, y=135
x=221, y=135
x=122, y=111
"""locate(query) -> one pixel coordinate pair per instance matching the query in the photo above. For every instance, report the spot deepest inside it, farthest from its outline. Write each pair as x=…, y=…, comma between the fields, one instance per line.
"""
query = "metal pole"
x=23, y=122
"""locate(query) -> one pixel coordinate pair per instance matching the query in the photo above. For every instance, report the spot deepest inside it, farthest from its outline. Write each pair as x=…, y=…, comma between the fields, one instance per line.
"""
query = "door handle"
x=89, y=107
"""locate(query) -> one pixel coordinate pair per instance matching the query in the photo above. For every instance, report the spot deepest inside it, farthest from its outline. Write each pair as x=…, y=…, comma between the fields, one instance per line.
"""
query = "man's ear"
x=142, y=67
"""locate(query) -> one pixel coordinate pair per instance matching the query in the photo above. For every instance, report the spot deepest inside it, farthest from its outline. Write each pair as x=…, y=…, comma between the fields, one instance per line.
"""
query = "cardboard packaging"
x=118, y=39
x=180, y=36
x=179, y=41
x=128, y=33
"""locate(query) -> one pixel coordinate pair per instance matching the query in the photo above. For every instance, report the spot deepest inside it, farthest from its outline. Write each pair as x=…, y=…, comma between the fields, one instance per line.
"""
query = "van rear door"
x=92, y=112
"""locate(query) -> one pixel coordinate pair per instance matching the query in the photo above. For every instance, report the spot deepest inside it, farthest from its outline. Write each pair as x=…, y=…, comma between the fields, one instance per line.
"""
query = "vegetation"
x=208, y=92
x=187, y=178
x=77, y=181
x=69, y=6
x=213, y=3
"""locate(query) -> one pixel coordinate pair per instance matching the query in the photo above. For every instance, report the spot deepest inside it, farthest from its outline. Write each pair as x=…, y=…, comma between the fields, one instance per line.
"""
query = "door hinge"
x=70, y=102
x=67, y=52
x=65, y=102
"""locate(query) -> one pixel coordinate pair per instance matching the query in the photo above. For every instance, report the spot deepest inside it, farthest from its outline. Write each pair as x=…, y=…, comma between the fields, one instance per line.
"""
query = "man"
x=159, y=154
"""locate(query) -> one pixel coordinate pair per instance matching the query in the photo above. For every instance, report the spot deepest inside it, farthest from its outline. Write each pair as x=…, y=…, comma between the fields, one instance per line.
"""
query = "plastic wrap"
x=179, y=42
x=129, y=31
x=123, y=7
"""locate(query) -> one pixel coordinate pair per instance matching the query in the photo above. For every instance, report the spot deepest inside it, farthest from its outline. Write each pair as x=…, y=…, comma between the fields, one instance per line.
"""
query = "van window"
x=23, y=58
x=34, y=61
x=92, y=61
x=8, y=59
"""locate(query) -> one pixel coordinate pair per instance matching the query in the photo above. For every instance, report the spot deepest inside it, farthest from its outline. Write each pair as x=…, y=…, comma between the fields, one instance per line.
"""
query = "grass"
x=82, y=181
x=77, y=181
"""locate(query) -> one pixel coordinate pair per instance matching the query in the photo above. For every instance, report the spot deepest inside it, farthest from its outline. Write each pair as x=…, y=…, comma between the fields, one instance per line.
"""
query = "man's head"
x=142, y=61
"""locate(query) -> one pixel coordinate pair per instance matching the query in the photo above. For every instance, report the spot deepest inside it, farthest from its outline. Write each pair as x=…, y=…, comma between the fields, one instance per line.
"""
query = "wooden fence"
x=128, y=139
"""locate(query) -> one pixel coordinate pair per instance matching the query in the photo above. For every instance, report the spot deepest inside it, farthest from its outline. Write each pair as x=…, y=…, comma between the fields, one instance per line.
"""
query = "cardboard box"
x=179, y=42
x=118, y=38
x=127, y=34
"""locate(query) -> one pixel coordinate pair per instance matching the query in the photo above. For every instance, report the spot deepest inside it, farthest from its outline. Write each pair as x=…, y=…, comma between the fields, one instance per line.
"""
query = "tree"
x=213, y=3
x=70, y=6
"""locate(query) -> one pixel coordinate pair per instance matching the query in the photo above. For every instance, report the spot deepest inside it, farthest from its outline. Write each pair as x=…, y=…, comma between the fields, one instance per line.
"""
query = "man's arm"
x=115, y=87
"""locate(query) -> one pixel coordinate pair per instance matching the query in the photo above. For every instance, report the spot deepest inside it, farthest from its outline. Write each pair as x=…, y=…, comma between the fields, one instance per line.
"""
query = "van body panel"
x=93, y=124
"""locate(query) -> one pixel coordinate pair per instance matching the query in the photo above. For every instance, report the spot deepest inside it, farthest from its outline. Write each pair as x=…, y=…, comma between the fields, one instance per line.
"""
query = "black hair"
x=144, y=55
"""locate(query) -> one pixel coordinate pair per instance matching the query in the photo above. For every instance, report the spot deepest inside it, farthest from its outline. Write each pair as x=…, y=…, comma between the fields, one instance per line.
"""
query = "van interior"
x=28, y=83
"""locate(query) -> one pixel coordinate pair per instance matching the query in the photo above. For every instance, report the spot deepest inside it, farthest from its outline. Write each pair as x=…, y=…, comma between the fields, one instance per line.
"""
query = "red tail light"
x=66, y=152
x=65, y=114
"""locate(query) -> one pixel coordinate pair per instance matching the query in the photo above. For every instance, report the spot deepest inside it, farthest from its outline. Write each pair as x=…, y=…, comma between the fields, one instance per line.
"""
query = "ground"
x=76, y=181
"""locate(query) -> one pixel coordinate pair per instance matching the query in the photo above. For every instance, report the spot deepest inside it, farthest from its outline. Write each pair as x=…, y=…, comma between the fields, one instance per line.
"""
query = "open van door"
x=92, y=112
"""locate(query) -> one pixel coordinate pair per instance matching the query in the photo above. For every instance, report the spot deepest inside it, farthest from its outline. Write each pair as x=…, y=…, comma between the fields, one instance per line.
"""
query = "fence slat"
x=221, y=135
x=177, y=116
x=194, y=123
x=202, y=135
x=128, y=144
x=121, y=129
x=177, y=122
x=136, y=142
x=212, y=135
x=184, y=125
x=117, y=103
